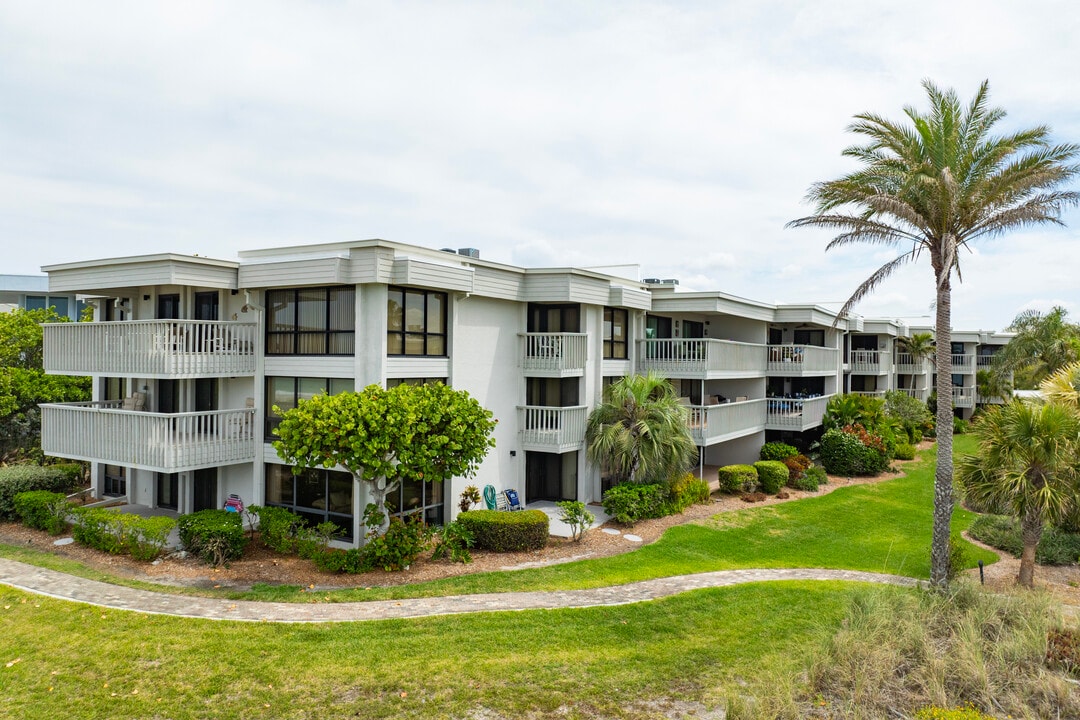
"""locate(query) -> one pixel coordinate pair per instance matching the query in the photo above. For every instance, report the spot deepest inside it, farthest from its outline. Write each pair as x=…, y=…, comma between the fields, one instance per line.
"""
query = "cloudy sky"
x=678, y=136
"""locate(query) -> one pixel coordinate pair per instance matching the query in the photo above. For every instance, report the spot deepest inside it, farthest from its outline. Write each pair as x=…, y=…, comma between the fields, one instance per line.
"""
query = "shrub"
x=400, y=545
x=574, y=514
x=630, y=502
x=215, y=536
x=685, y=491
x=970, y=712
x=121, y=533
x=777, y=451
x=340, y=561
x=772, y=475
x=279, y=528
x=958, y=559
x=904, y=451
x=469, y=497
x=737, y=478
x=454, y=540
x=960, y=426
x=507, y=531
x=853, y=451
x=796, y=465
x=1056, y=547
x=43, y=510
x=809, y=479
x=17, y=479
x=1063, y=650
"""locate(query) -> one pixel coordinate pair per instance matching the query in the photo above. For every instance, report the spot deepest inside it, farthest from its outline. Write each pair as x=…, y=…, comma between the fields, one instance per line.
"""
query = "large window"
x=415, y=322
x=413, y=497
x=285, y=391
x=311, y=321
x=316, y=495
x=615, y=334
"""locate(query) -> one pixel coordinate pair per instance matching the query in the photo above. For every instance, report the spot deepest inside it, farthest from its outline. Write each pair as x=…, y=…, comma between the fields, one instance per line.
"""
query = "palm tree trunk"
x=1031, y=526
x=943, y=475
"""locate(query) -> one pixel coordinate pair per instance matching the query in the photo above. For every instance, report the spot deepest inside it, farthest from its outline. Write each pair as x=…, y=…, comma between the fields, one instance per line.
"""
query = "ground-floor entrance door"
x=550, y=476
x=168, y=490
x=205, y=486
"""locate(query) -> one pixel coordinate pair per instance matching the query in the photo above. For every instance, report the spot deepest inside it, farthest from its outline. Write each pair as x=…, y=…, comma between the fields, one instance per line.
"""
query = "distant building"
x=31, y=292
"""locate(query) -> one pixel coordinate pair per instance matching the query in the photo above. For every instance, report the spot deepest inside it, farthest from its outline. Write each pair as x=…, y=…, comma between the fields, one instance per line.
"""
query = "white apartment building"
x=190, y=354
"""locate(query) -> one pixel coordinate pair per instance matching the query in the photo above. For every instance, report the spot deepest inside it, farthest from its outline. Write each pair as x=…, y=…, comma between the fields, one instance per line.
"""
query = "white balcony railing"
x=165, y=442
x=554, y=354
x=552, y=429
x=869, y=393
x=917, y=393
x=989, y=399
x=907, y=364
x=794, y=413
x=963, y=397
x=801, y=359
x=963, y=363
x=874, y=362
x=688, y=358
x=715, y=423
x=984, y=362
x=150, y=348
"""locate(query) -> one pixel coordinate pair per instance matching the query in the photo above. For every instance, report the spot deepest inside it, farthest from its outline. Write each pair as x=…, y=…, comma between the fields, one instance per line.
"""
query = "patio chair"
x=512, y=500
x=137, y=401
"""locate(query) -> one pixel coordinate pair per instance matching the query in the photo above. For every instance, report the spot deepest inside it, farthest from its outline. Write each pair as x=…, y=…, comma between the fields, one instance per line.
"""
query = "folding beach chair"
x=512, y=499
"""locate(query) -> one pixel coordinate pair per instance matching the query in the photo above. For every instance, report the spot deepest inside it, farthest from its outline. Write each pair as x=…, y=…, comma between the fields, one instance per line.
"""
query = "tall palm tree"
x=932, y=186
x=640, y=432
x=920, y=346
x=1027, y=466
x=1043, y=343
x=1063, y=387
x=991, y=384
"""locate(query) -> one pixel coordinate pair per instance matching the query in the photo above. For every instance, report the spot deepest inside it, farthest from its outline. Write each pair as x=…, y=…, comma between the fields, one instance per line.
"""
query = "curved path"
x=68, y=587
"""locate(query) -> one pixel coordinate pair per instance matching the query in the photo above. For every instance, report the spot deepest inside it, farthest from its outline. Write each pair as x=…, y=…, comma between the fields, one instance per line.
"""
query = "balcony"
x=711, y=424
x=988, y=399
x=963, y=397
x=984, y=362
x=794, y=413
x=917, y=393
x=963, y=364
x=702, y=359
x=802, y=360
x=151, y=348
x=102, y=432
x=554, y=354
x=907, y=364
x=552, y=429
x=879, y=394
x=868, y=362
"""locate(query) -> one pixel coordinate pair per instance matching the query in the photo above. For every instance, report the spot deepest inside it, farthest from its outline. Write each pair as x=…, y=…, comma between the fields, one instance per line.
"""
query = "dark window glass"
x=415, y=322
x=285, y=391
x=615, y=334
x=316, y=495
x=413, y=497
x=36, y=302
x=311, y=321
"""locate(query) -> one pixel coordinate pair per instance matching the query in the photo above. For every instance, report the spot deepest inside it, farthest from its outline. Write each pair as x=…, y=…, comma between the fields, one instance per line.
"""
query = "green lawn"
x=884, y=527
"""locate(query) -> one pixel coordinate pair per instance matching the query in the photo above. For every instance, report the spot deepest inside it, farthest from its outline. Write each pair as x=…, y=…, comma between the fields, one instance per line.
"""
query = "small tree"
x=383, y=437
x=910, y=412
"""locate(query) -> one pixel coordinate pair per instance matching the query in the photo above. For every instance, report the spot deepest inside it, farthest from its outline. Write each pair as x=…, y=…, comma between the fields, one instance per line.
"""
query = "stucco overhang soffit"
x=113, y=274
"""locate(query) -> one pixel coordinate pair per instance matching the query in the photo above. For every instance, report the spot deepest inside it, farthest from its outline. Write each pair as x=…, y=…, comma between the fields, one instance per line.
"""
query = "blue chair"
x=513, y=500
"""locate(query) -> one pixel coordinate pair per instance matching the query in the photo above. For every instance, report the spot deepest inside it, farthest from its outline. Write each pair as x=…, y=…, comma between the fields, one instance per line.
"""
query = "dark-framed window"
x=317, y=495
x=311, y=321
x=286, y=391
x=549, y=318
x=810, y=337
x=415, y=497
x=115, y=481
x=615, y=333
x=415, y=322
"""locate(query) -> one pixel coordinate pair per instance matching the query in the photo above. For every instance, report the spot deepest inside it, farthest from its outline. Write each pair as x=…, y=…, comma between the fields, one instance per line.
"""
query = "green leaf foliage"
x=215, y=536
x=777, y=451
x=17, y=479
x=501, y=531
x=772, y=475
x=43, y=510
x=737, y=478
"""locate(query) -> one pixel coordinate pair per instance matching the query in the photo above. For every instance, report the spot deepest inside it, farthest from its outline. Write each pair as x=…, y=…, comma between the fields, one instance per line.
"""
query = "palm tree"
x=919, y=346
x=991, y=384
x=1043, y=343
x=640, y=431
x=1027, y=466
x=1063, y=387
x=933, y=186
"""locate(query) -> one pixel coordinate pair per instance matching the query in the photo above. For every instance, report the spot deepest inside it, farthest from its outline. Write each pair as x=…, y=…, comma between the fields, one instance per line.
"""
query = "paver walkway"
x=68, y=587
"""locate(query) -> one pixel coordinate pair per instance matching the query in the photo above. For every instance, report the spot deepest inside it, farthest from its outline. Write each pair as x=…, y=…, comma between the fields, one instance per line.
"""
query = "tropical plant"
x=854, y=409
x=932, y=187
x=411, y=432
x=574, y=514
x=1063, y=387
x=911, y=413
x=1044, y=342
x=920, y=346
x=992, y=384
x=1028, y=466
x=639, y=433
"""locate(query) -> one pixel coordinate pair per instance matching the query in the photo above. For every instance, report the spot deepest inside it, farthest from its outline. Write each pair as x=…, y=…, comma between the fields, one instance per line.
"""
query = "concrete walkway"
x=68, y=587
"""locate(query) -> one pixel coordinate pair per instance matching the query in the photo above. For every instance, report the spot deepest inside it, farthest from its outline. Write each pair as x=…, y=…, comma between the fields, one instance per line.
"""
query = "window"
x=811, y=337
x=115, y=484
x=414, y=497
x=415, y=322
x=311, y=321
x=286, y=391
x=315, y=494
x=394, y=382
x=545, y=318
x=957, y=348
x=615, y=333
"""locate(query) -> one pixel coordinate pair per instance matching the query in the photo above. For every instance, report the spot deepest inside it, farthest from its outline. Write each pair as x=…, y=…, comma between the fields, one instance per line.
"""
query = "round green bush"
x=772, y=474
x=737, y=478
x=501, y=531
x=844, y=453
x=630, y=502
x=215, y=536
x=904, y=451
x=16, y=479
x=809, y=479
x=777, y=451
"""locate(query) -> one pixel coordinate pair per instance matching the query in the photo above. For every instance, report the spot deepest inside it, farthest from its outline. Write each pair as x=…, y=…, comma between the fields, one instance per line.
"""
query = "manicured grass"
x=78, y=661
x=884, y=527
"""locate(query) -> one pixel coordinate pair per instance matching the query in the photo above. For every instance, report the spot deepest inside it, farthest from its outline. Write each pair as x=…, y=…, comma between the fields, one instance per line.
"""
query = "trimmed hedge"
x=777, y=451
x=630, y=502
x=215, y=536
x=43, y=510
x=843, y=453
x=501, y=531
x=17, y=479
x=737, y=478
x=686, y=491
x=772, y=475
x=121, y=533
